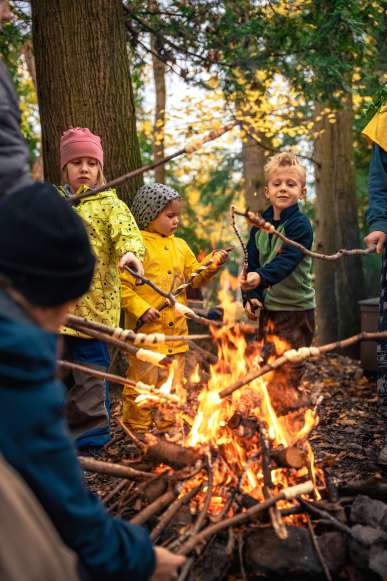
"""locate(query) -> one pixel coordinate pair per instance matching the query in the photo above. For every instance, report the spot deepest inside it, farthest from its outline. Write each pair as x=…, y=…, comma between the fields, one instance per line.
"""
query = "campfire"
x=236, y=471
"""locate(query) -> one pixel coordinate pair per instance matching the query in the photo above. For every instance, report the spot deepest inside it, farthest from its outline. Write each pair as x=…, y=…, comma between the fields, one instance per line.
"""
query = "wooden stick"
x=275, y=516
x=118, y=470
x=117, y=343
x=168, y=295
x=324, y=514
x=316, y=545
x=154, y=507
x=188, y=148
x=172, y=511
x=256, y=219
x=182, y=287
x=238, y=519
x=364, y=336
x=122, y=483
x=117, y=379
x=128, y=334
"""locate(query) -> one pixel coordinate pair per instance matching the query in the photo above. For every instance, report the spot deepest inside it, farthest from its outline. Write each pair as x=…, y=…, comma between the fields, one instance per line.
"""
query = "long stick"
x=154, y=507
x=256, y=219
x=130, y=335
x=92, y=465
x=300, y=355
x=288, y=493
x=142, y=388
x=152, y=357
x=172, y=510
x=188, y=148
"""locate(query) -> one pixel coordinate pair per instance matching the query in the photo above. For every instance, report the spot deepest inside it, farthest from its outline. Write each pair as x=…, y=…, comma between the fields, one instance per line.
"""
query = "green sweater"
x=289, y=287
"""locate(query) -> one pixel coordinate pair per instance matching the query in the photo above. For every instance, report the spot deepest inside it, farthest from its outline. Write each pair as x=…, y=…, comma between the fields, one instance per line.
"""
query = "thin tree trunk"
x=325, y=238
x=161, y=97
x=339, y=286
x=83, y=80
x=253, y=177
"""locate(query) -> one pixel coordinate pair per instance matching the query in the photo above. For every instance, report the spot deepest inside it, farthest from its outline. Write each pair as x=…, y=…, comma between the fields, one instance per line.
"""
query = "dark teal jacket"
x=34, y=440
x=377, y=190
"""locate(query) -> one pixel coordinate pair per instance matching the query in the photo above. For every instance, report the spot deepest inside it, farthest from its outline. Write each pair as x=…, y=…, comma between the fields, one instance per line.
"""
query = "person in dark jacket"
x=376, y=132
x=279, y=275
x=14, y=168
x=45, y=264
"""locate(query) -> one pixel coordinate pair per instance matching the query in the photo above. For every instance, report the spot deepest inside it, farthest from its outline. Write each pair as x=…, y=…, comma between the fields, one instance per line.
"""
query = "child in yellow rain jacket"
x=168, y=261
x=116, y=241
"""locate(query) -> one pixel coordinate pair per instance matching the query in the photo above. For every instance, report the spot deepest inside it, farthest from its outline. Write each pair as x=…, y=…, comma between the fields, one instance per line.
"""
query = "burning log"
x=118, y=470
x=291, y=457
x=287, y=493
x=170, y=453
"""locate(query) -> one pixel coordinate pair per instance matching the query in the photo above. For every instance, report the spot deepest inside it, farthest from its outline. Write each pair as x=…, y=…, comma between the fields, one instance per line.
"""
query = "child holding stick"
x=116, y=241
x=279, y=275
x=168, y=262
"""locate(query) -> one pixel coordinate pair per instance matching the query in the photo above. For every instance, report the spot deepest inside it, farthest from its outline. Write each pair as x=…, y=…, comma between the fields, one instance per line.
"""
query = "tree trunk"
x=161, y=96
x=339, y=284
x=253, y=177
x=83, y=80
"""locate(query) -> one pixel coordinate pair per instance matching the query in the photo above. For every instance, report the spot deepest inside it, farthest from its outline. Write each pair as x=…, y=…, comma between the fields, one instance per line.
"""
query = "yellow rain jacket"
x=167, y=259
x=376, y=130
x=113, y=232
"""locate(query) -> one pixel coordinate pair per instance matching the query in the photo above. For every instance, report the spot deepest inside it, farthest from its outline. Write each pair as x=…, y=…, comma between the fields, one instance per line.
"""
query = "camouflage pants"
x=381, y=353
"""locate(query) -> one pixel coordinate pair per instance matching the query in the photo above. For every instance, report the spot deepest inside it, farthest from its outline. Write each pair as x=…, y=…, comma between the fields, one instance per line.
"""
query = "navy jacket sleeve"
x=377, y=190
x=286, y=261
x=38, y=446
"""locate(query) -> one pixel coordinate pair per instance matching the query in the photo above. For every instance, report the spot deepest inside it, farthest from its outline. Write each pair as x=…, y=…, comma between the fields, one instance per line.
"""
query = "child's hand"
x=250, y=282
x=219, y=257
x=131, y=260
x=150, y=315
x=252, y=308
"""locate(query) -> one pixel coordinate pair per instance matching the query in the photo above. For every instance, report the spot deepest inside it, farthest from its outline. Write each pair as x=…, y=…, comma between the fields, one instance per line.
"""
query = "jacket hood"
x=27, y=352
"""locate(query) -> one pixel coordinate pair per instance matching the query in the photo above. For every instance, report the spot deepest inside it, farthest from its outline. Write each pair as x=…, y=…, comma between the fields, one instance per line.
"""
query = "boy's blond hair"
x=284, y=159
x=101, y=180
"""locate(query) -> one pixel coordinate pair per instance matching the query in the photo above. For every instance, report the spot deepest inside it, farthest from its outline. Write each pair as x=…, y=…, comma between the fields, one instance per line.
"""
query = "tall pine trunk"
x=340, y=284
x=160, y=103
x=83, y=80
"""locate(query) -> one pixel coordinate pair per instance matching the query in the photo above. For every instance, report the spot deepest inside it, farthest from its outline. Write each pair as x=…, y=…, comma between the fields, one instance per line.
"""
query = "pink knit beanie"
x=80, y=142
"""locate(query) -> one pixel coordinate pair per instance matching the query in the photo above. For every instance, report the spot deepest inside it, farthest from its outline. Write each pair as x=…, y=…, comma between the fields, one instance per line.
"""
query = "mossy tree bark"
x=83, y=80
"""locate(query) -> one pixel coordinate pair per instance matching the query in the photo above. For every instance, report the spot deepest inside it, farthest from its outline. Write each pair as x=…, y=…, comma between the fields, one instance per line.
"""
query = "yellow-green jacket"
x=167, y=259
x=113, y=232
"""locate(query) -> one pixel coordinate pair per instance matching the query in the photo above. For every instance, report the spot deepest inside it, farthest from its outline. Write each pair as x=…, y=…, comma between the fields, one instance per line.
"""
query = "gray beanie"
x=150, y=201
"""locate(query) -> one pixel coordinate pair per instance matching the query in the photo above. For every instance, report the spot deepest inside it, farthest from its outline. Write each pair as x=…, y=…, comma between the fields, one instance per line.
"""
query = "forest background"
x=151, y=75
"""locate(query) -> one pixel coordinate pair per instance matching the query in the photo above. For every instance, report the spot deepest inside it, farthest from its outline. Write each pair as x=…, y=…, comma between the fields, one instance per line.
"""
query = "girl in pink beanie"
x=116, y=242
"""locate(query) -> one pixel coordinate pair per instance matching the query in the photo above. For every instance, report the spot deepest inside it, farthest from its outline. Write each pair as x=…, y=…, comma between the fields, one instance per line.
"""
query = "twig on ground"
x=122, y=483
x=154, y=507
x=172, y=511
x=325, y=515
